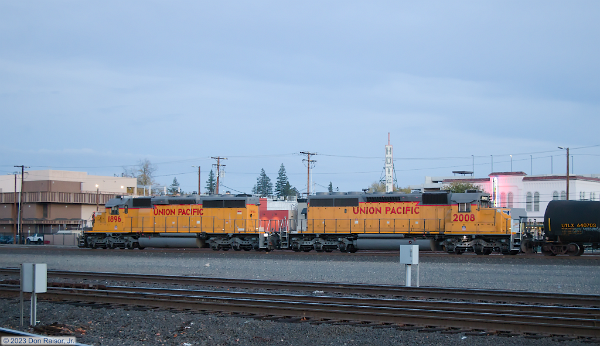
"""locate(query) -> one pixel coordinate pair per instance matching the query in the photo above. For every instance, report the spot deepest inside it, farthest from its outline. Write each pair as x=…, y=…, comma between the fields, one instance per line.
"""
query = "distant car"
x=6, y=239
x=35, y=239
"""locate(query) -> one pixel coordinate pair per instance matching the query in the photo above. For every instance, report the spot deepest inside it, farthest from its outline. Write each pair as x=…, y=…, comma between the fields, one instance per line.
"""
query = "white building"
x=532, y=193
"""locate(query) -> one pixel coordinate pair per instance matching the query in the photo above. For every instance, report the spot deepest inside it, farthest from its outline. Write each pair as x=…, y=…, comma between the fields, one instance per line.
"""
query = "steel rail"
x=319, y=310
x=538, y=310
x=345, y=288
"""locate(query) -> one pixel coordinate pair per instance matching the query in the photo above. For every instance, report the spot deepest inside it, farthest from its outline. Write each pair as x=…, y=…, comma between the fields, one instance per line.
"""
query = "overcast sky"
x=96, y=86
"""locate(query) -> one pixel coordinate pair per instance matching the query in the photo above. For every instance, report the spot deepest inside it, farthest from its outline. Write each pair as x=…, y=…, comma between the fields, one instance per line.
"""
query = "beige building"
x=56, y=200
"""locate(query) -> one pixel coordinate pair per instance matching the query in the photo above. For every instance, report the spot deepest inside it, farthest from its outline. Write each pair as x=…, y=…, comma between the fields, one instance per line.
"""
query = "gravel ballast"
x=125, y=326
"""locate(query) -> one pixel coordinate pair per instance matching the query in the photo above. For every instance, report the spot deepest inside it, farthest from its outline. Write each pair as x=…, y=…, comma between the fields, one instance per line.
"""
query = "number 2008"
x=464, y=217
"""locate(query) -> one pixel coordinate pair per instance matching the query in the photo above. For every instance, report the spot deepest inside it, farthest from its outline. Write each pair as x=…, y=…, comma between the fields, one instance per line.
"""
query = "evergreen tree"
x=282, y=186
x=211, y=183
x=330, y=188
x=263, y=186
x=174, y=188
x=291, y=191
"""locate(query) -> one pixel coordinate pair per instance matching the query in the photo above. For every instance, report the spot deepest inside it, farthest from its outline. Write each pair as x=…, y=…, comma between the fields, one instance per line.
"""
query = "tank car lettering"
x=586, y=225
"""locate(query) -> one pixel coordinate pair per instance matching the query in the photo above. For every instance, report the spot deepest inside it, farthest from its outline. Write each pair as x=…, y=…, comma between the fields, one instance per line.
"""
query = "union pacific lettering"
x=179, y=212
x=387, y=210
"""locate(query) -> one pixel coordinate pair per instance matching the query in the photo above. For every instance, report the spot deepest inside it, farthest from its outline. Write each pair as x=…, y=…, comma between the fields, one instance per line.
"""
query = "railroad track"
x=449, y=316
x=340, y=288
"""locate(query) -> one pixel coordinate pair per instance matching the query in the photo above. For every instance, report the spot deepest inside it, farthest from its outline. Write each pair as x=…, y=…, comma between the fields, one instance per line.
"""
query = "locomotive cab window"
x=114, y=210
x=464, y=207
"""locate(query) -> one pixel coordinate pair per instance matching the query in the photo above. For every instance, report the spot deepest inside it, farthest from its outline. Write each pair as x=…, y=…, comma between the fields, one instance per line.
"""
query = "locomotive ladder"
x=283, y=234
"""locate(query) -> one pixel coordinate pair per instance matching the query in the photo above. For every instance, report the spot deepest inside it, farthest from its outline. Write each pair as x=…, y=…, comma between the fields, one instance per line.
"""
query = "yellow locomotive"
x=454, y=222
x=131, y=223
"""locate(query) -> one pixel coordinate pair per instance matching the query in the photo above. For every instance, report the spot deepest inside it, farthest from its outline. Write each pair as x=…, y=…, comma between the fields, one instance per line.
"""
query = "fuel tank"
x=390, y=242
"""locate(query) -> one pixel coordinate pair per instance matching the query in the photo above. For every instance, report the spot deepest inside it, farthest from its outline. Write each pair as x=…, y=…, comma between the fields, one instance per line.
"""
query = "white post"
x=34, y=278
x=409, y=255
x=21, y=293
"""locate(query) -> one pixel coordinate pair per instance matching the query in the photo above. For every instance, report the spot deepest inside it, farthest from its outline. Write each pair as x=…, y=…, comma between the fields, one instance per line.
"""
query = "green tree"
x=211, y=183
x=330, y=188
x=459, y=187
x=403, y=189
x=282, y=184
x=290, y=191
x=174, y=188
x=377, y=186
x=263, y=186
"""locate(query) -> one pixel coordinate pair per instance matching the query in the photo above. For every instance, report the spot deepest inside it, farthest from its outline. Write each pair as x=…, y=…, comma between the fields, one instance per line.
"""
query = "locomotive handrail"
x=212, y=224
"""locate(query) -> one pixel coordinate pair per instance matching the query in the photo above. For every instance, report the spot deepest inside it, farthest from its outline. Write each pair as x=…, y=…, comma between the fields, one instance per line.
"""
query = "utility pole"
x=199, y=182
x=20, y=213
x=567, y=174
x=218, y=158
x=308, y=161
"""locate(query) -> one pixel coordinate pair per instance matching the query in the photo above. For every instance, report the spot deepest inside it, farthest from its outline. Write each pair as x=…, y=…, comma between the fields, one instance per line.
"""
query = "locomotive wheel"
x=351, y=248
x=581, y=250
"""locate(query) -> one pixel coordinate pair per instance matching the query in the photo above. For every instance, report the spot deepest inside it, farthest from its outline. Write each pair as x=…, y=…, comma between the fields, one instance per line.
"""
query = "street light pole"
x=567, y=171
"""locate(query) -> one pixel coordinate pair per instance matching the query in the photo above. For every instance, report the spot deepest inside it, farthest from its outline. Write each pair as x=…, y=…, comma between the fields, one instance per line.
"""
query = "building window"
x=536, y=201
x=555, y=196
x=563, y=195
x=510, y=199
x=528, y=201
x=502, y=200
x=592, y=196
x=581, y=195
